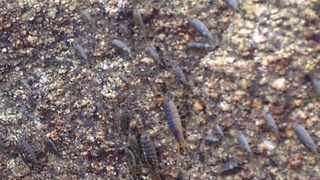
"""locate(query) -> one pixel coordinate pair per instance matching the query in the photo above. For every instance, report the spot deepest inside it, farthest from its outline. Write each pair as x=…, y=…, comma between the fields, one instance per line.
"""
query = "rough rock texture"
x=265, y=56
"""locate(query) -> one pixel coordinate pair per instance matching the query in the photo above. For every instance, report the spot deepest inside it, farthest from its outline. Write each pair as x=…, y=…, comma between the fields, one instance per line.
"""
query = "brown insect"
x=174, y=122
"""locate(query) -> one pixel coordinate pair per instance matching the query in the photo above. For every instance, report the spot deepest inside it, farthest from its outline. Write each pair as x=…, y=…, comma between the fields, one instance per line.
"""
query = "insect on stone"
x=174, y=122
x=79, y=49
x=271, y=123
x=149, y=151
x=50, y=146
x=305, y=138
x=243, y=143
x=219, y=130
x=137, y=18
x=86, y=15
x=201, y=28
x=131, y=159
x=121, y=45
x=179, y=74
x=155, y=55
x=26, y=152
x=316, y=84
x=233, y=4
x=230, y=167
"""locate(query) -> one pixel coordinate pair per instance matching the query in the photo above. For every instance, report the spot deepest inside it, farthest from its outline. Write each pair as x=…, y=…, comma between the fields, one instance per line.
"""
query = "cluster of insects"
x=32, y=154
x=143, y=144
x=140, y=149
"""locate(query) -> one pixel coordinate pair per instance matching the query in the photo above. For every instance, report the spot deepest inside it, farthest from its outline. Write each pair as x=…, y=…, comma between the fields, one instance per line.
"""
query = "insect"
x=131, y=159
x=50, y=146
x=138, y=19
x=1, y=146
x=155, y=55
x=179, y=74
x=124, y=120
x=86, y=15
x=121, y=45
x=271, y=124
x=230, y=167
x=201, y=28
x=134, y=145
x=26, y=84
x=149, y=151
x=305, y=138
x=243, y=143
x=233, y=4
x=218, y=129
x=26, y=152
x=211, y=138
x=124, y=29
x=316, y=84
x=81, y=51
x=199, y=45
x=124, y=78
x=174, y=121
